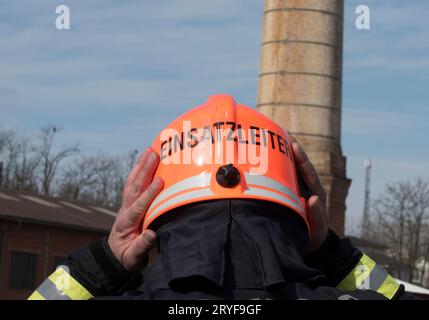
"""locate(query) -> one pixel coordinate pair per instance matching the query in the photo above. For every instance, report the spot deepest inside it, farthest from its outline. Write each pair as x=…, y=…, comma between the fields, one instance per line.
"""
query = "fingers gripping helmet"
x=222, y=150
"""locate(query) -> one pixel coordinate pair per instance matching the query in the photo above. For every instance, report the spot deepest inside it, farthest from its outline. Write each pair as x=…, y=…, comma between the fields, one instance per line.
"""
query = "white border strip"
x=264, y=181
x=200, y=180
x=181, y=197
x=273, y=195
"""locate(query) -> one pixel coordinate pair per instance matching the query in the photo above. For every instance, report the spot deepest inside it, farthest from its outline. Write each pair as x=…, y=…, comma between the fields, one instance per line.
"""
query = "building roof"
x=36, y=208
x=364, y=243
x=412, y=288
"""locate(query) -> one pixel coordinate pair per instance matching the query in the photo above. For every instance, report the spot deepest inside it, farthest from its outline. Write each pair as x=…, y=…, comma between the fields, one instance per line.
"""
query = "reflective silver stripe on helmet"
x=273, y=195
x=195, y=194
x=203, y=180
x=200, y=180
x=264, y=181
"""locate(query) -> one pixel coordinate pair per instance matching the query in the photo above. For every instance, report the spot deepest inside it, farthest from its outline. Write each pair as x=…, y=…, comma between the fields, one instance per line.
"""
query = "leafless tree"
x=97, y=179
x=422, y=276
x=4, y=136
x=18, y=162
x=401, y=223
x=35, y=166
x=26, y=166
x=8, y=155
x=112, y=173
x=79, y=177
x=123, y=167
x=50, y=159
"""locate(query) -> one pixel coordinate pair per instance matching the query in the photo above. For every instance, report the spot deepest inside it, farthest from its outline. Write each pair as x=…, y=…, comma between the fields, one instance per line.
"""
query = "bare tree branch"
x=49, y=158
x=401, y=223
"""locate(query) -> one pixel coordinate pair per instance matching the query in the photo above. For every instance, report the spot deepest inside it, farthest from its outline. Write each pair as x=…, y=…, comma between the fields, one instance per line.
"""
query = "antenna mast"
x=366, y=207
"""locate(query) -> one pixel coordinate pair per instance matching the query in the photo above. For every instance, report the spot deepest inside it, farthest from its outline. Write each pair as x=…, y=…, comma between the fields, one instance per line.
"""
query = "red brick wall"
x=45, y=241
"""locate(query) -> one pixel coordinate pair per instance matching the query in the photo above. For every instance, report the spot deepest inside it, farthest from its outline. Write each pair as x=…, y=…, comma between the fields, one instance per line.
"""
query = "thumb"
x=313, y=203
x=318, y=222
x=316, y=211
x=137, y=255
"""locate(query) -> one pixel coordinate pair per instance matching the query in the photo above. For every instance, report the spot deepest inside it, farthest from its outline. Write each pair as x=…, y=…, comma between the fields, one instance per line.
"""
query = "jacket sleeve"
x=349, y=269
x=88, y=272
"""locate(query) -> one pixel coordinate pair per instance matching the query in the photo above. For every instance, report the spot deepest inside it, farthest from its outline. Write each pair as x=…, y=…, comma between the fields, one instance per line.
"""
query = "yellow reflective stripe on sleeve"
x=69, y=286
x=367, y=275
x=36, y=296
x=357, y=278
x=388, y=288
x=60, y=285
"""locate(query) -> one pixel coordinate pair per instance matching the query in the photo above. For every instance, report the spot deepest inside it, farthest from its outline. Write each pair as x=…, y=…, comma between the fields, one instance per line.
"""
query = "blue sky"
x=126, y=68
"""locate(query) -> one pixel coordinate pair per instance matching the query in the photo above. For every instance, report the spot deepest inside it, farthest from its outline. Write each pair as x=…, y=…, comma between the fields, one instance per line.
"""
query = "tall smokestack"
x=300, y=86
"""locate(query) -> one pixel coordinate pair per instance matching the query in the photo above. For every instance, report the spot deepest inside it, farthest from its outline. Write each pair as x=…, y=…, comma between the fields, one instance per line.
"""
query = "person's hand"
x=128, y=245
x=316, y=204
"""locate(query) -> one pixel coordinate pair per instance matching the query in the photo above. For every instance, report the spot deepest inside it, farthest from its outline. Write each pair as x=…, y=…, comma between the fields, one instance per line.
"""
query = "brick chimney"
x=300, y=86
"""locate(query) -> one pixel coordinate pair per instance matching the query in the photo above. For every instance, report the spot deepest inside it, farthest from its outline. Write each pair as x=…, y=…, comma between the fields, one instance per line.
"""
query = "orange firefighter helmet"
x=223, y=149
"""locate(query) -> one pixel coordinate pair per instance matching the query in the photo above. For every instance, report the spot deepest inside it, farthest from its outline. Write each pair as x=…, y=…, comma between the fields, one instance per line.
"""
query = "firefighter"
x=228, y=206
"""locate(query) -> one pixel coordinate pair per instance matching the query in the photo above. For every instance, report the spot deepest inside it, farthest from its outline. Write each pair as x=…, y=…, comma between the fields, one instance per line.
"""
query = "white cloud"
x=9, y=99
x=379, y=61
x=134, y=53
x=397, y=39
x=364, y=121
